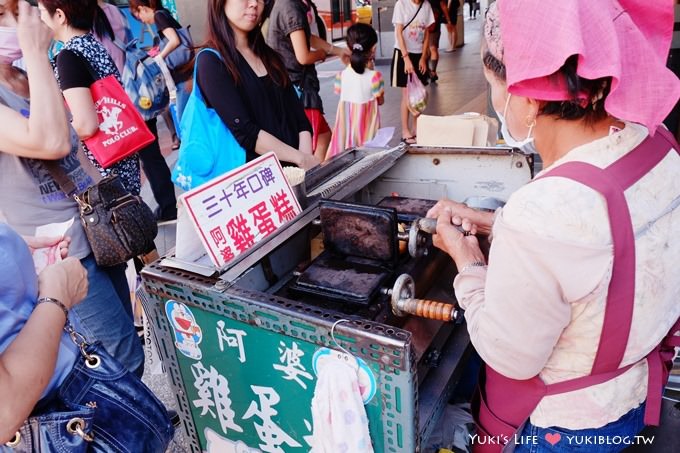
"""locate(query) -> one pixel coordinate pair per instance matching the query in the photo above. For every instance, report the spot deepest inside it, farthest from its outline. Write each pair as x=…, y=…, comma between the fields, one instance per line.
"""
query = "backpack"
x=143, y=81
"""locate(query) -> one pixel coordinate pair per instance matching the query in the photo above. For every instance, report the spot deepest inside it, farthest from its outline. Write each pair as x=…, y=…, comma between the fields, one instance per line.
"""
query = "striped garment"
x=358, y=118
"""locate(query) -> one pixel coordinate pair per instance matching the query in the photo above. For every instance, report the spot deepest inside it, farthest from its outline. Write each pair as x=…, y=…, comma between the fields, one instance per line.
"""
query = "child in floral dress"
x=361, y=90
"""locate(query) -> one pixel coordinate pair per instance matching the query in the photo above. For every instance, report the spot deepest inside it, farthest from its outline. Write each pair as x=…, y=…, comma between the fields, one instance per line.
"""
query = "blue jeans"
x=106, y=314
x=612, y=437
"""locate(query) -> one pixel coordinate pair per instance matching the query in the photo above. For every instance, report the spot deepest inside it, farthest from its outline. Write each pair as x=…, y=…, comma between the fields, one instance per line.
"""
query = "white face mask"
x=9, y=45
x=526, y=145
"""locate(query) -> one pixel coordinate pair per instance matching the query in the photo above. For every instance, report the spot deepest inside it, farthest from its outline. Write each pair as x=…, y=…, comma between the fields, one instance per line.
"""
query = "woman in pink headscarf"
x=575, y=311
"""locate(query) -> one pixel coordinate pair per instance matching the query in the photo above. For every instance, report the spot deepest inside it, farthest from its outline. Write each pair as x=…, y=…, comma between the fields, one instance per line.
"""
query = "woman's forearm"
x=173, y=42
x=27, y=365
x=267, y=142
x=400, y=40
x=305, y=138
x=303, y=54
x=47, y=126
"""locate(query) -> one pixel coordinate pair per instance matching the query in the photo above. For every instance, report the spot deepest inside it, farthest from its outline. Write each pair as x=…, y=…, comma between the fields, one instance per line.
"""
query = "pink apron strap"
x=657, y=374
x=618, y=313
x=611, y=183
x=634, y=165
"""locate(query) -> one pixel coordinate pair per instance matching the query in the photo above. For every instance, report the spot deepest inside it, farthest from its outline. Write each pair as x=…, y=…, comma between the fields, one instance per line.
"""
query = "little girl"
x=361, y=91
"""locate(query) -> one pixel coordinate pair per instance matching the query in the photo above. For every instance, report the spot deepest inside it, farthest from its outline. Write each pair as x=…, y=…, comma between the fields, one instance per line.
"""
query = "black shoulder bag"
x=118, y=225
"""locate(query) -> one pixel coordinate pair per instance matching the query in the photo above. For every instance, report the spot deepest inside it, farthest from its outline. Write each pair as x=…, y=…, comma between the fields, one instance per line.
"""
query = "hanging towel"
x=338, y=413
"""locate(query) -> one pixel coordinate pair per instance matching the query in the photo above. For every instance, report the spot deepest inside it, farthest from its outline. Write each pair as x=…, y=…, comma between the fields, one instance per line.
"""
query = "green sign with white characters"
x=250, y=389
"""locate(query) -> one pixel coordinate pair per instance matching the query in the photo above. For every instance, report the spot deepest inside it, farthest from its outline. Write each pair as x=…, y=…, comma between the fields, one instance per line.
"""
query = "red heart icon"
x=553, y=438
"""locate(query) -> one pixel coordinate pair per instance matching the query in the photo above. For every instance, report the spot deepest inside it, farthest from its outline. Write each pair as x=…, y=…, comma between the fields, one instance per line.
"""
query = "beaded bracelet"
x=55, y=302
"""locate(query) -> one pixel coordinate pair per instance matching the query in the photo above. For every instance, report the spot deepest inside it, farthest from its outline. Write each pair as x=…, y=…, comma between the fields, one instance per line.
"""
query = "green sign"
x=250, y=389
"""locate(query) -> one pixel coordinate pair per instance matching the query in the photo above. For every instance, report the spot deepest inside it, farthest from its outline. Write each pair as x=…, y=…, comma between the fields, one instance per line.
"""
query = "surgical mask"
x=9, y=45
x=526, y=145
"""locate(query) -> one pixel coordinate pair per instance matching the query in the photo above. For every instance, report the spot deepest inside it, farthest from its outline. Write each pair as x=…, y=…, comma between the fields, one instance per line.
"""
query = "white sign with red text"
x=235, y=211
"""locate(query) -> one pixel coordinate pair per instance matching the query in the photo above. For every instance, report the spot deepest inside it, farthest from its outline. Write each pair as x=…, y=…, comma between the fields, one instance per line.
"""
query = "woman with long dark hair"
x=248, y=85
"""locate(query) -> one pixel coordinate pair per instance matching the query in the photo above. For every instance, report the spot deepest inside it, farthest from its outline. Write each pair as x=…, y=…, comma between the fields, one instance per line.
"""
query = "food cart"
x=243, y=346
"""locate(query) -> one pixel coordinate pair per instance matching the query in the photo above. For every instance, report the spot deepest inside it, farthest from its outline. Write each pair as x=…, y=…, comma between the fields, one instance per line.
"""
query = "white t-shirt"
x=414, y=34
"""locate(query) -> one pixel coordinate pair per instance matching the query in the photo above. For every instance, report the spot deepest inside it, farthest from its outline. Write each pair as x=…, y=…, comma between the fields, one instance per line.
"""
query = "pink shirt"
x=538, y=309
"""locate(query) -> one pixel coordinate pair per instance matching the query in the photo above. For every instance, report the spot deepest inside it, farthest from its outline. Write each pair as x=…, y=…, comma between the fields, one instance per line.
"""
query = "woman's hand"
x=61, y=243
x=307, y=161
x=422, y=64
x=483, y=220
x=455, y=207
x=463, y=248
x=343, y=52
x=65, y=281
x=408, y=66
x=34, y=36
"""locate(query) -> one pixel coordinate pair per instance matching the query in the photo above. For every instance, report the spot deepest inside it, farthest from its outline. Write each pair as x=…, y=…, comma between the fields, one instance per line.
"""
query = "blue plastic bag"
x=208, y=148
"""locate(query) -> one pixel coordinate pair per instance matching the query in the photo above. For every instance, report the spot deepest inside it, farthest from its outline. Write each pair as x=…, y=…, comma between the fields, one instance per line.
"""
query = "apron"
x=502, y=405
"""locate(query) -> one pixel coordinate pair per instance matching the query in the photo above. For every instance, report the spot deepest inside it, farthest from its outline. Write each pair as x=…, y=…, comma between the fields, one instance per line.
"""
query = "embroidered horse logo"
x=110, y=123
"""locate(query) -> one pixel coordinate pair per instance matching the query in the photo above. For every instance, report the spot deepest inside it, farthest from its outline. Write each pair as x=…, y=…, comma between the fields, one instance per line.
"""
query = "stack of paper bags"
x=467, y=129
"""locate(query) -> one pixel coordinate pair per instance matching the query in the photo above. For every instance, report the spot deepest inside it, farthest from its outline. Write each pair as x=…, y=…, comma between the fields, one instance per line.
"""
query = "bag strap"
x=414, y=16
x=90, y=69
x=196, y=88
x=60, y=177
x=122, y=46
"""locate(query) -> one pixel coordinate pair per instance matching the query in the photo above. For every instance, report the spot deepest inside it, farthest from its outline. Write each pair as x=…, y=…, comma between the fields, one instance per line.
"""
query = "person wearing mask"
x=575, y=312
x=29, y=196
x=290, y=35
x=248, y=86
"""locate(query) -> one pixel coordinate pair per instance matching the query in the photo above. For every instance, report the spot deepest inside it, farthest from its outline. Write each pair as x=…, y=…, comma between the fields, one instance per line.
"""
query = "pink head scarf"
x=627, y=40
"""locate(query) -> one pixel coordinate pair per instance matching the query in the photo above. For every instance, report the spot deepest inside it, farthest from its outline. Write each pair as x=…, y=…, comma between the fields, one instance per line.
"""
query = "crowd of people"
x=587, y=265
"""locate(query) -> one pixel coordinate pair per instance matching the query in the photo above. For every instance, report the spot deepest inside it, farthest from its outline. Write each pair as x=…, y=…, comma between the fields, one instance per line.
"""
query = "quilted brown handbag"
x=118, y=225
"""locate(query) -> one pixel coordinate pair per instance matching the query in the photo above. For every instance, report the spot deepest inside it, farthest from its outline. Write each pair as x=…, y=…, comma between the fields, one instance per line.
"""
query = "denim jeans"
x=612, y=437
x=105, y=314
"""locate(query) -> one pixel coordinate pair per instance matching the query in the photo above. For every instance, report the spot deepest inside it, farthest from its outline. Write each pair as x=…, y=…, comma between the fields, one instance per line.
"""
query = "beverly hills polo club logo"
x=109, y=110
